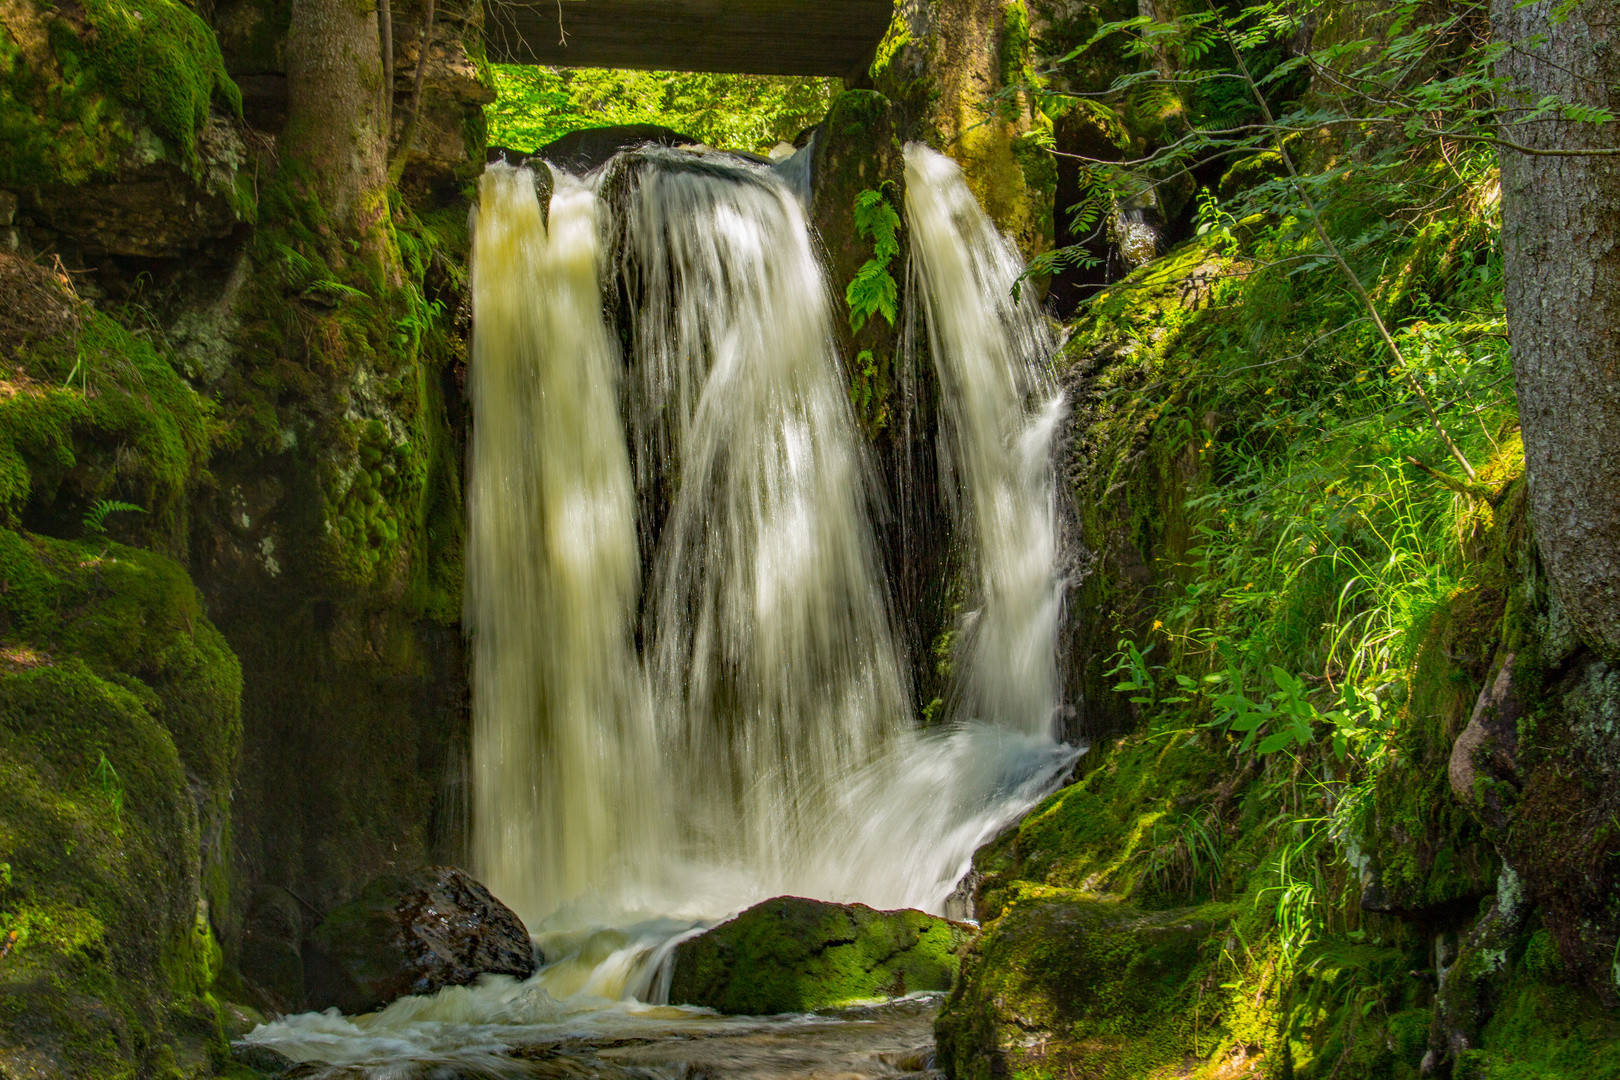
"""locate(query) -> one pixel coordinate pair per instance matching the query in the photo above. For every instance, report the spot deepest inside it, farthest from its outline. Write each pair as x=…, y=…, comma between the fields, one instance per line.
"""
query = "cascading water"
x=688, y=694
x=994, y=447
x=561, y=741
x=773, y=665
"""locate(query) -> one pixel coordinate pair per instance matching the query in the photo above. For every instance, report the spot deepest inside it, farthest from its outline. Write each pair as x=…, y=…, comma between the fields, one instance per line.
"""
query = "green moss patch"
x=90, y=411
x=1062, y=986
x=119, y=723
x=76, y=82
x=796, y=955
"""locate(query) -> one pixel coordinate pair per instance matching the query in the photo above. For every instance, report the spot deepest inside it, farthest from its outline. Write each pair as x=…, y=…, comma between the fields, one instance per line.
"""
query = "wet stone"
x=412, y=934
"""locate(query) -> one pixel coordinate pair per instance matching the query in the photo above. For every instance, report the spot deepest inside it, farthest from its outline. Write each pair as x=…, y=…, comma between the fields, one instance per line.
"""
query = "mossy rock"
x=119, y=714
x=1063, y=986
x=91, y=411
x=796, y=955
x=79, y=84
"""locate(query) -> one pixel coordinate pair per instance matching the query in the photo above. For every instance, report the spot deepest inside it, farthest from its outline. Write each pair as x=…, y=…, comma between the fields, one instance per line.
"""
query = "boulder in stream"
x=412, y=934
x=796, y=955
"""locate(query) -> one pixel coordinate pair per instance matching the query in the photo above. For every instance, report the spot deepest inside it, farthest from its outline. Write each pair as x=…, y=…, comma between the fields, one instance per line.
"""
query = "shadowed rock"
x=412, y=934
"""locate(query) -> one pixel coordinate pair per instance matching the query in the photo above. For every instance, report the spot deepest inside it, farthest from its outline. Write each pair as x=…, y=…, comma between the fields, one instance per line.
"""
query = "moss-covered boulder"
x=1062, y=986
x=90, y=411
x=119, y=724
x=119, y=124
x=796, y=955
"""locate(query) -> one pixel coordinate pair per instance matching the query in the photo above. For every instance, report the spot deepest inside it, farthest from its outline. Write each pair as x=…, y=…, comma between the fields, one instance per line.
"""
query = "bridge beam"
x=760, y=37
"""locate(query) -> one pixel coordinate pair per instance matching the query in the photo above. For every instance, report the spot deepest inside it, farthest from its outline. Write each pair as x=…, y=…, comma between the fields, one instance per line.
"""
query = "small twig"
x=562, y=35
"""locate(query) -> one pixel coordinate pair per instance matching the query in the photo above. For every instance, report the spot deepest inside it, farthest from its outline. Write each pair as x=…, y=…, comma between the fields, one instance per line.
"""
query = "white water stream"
x=688, y=694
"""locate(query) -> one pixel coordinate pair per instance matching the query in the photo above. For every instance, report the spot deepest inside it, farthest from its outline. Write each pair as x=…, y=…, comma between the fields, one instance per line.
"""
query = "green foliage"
x=95, y=520
x=535, y=105
x=873, y=290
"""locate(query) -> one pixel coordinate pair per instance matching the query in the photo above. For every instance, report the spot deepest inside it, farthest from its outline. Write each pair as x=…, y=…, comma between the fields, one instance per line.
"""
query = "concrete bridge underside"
x=762, y=37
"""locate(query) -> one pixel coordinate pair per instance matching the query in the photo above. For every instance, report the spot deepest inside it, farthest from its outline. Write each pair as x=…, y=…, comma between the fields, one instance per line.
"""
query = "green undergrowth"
x=344, y=366
x=1308, y=593
x=119, y=723
x=78, y=83
x=93, y=411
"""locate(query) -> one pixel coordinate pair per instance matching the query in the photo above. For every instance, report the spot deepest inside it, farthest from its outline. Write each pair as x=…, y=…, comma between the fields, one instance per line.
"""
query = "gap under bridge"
x=758, y=37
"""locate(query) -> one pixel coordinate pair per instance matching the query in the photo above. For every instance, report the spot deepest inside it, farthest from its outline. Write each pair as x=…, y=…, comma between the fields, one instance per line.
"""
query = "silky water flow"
x=688, y=694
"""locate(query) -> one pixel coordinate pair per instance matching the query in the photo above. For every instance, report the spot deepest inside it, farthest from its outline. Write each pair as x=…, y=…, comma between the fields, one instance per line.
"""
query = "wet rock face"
x=796, y=955
x=584, y=150
x=1483, y=759
x=412, y=934
x=270, y=950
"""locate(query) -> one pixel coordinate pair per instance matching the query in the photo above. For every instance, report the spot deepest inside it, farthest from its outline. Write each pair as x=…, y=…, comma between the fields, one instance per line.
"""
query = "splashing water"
x=688, y=693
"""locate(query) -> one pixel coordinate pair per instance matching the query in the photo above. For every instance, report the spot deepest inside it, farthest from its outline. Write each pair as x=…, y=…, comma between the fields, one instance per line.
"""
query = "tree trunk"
x=1561, y=255
x=334, y=133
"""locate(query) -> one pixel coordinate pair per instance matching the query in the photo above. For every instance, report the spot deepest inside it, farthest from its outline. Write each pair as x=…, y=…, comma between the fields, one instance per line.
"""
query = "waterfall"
x=563, y=750
x=999, y=412
x=774, y=667
x=688, y=691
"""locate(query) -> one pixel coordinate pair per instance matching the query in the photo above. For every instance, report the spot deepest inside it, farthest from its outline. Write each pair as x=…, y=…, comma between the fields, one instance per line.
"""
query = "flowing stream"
x=689, y=695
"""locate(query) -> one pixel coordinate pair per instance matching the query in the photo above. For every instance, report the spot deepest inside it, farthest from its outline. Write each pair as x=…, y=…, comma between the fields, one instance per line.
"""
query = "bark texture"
x=334, y=109
x=1561, y=250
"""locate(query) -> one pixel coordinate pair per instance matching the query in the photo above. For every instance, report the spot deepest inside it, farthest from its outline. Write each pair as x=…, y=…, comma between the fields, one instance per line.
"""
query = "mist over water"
x=688, y=692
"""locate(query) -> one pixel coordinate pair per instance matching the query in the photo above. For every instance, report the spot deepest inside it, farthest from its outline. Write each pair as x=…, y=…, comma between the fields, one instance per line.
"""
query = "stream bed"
x=450, y=1035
